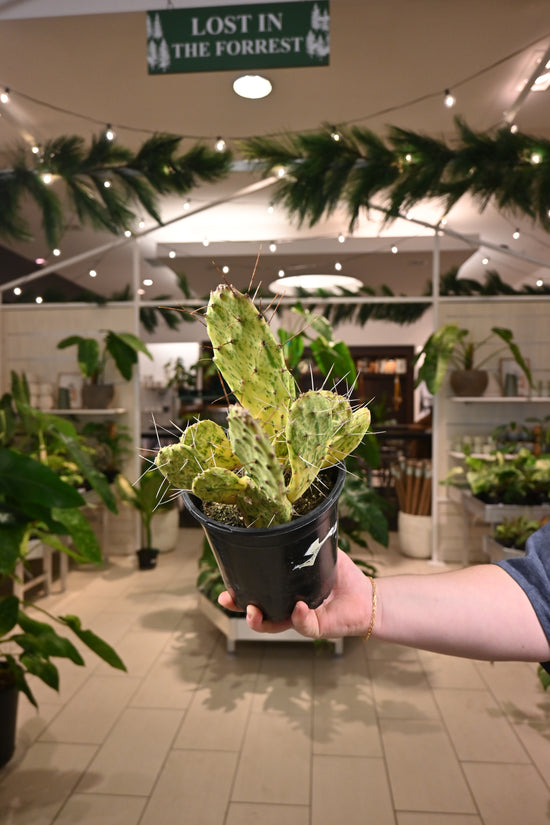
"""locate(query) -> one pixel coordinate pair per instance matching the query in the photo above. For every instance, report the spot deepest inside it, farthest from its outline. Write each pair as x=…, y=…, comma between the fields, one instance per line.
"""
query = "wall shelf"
x=500, y=399
x=84, y=411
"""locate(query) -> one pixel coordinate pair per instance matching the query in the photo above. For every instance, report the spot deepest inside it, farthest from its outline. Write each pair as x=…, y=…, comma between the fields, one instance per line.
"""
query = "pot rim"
x=288, y=526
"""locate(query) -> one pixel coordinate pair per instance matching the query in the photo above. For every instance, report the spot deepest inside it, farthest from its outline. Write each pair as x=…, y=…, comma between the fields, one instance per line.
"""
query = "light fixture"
x=270, y=209
x=172, y=253
x=186, y=203
x=515, y=235
x=539, y=282
x=394, y=250
x=147, y=282
x=17, y=290
x=141, y=224
x=281, y=273
x=272, y=246
x=449, y=100
x=338, y=266
x=127, y=233
x=5, y=96
x=485, y=261
x=225, y=270
x=110, y=133
x=205, y=242
x=252, y=86
x=35, y=149
x=542, y=82
x=314, y=282
x=107, y=184
x=38, y=299
x=341, y=238
x=40, y=261
x=335, y=135
x=536, y=157
x=220, y=144
x=47, y=178
x=92, y=273
x=56, y=252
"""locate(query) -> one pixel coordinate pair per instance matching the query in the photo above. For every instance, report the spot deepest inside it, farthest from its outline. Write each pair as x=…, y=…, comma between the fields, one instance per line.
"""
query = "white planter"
x=497, y=552
x=165, y=529
x=415, y=535
x=235, y=629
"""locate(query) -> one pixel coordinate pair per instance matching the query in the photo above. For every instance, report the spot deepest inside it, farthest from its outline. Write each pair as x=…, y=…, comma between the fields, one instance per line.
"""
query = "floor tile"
x=478, y=727
x=35, y=791
x=275, y=760
x=424, y=818
x=509, y=794
x=90, y=714
x=171, y=682
x=193, y=787
x=133, y=753
x=401, y=690
x=353, y=790
x=245, y=813
x=101, y=810
x=344, y=722
x=450, y=671
x=216, y=718
x=424, y=772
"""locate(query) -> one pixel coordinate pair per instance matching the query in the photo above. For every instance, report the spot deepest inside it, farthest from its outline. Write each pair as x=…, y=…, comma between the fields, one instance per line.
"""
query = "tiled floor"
x=280, y=734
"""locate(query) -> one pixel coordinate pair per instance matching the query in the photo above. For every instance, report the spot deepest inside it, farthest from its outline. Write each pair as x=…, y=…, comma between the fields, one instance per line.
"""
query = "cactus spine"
x=277, y=441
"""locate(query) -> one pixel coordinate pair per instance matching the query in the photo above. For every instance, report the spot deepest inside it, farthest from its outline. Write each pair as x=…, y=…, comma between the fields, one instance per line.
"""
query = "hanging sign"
x=257, y=36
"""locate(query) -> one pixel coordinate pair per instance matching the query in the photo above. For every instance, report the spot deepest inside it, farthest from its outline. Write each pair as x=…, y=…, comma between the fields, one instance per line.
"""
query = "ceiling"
x=72, y=73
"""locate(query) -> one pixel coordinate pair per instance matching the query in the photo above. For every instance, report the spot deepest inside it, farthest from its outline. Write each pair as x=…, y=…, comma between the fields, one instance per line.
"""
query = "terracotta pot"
x=469, y=382
x=274, y=567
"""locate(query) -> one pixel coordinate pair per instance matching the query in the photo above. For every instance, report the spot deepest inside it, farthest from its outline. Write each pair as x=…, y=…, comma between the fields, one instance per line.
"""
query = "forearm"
x=479, y=612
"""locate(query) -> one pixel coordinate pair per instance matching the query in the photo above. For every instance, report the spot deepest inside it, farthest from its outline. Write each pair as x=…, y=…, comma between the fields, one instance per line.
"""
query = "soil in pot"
x=274, y=567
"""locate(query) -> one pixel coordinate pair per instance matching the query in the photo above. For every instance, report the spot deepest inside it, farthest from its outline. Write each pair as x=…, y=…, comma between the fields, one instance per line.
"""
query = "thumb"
x=305, y=621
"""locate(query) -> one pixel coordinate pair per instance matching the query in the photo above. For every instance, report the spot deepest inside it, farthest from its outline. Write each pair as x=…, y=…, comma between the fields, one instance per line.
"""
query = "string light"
x=187, y=203
x=536, y=157
x=335, y=135
x=272, y=246
x=338, y=266
x=225, y=270
x=141, y=224
x=270, y=209
x=147, y=282
x=127, y=233
x=17, y=290
x=515, y=235
x=47, y=178
x=35, y=149
x=110, y=133
x=539, y=282
x=40, y=261
x=172, y=253
x=107, y=184
x=449, y=100
x=514, y=128
x=56, y=252
x=220, y=144
x=92, y=273
x=38, y=299
x=394, y=250
x=5, y=96
x=281, y=273
x=341, y=238
x=206, y=242
x=485, y=261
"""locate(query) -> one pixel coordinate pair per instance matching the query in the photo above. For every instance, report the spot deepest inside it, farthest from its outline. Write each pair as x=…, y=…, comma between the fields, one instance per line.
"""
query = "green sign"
x=257, y=36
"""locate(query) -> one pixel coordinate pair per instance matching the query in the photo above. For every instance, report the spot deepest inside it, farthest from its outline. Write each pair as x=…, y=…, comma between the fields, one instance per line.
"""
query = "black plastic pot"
x=274, y=567
x=147, y=558
x=9, y=696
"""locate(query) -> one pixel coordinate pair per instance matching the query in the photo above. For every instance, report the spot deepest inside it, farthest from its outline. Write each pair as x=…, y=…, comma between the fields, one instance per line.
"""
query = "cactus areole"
x=279, y=442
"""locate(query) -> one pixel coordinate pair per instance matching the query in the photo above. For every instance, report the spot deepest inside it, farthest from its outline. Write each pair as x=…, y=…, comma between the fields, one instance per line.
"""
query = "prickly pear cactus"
x=276, y=443
x=249, y=357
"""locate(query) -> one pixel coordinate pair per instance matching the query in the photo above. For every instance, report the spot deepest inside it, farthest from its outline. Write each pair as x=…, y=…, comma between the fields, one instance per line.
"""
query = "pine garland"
x=321, y=173
x=103, y=184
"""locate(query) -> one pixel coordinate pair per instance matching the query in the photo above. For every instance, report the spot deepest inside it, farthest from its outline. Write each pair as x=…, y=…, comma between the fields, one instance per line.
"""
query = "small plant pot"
x=471, y=383
x=415, y=535
x=147, y=558
x=274, y=567
x=97, y=396
x=9, y=696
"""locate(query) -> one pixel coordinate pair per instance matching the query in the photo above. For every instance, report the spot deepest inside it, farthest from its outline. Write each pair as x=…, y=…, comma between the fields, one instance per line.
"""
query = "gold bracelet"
x=370, y=628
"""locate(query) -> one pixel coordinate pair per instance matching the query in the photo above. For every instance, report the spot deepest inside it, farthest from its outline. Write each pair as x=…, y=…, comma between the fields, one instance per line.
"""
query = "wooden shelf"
x=84, y=411
x=501, y=399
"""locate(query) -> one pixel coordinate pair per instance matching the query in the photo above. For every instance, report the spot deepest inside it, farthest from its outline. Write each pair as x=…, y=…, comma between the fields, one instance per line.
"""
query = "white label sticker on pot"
x=312, y=551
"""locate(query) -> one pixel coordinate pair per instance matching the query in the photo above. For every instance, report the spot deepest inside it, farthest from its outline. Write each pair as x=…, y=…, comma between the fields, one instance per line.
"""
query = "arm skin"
x=479, y=612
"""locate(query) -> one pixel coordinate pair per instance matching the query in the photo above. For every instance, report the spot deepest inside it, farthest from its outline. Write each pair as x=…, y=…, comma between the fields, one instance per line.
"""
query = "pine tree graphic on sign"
x=158, y=50
x=318, y=37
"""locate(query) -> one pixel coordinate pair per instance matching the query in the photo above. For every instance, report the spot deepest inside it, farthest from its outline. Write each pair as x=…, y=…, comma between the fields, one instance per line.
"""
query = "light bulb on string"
x=220, y=144
x=485, y=261
x=5, y=96
x=38, y=299
x=47, y=178
x=449, y=100
x=92, y=273
x=341, y=238
x=110, y=133
x=335, y=135
x=272, y=246
x=539, y=282
x=394, y=250
x=270, y=209
x=107, y=184
x=205, y=242
x=225, y=270
x=514, y=128
x=186, y=203
x=35, y=149
x=338, y=266
x=17, y=290
x=147, y=282
x=172, y=253
x=281, y=273
x=56, y=252
x=516, y=234
x=127, y=233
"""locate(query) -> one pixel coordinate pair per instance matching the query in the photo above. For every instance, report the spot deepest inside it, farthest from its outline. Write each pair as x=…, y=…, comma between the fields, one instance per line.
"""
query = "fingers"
x=256, y=621
x=225, y=600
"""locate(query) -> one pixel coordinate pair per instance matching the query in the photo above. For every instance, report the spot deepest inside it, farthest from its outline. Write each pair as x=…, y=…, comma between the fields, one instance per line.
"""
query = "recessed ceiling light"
x=311, y=283
x=252, y=86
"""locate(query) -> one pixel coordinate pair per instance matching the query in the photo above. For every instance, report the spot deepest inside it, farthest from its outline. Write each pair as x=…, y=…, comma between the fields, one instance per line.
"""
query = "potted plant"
x=276, y=473
x=148, y=497
x=451, y=345
x=36, y=503
x=120, y=347
x=182, y=379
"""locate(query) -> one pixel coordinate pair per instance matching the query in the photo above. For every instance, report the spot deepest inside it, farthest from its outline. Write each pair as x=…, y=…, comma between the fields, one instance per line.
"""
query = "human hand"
x=345, y=611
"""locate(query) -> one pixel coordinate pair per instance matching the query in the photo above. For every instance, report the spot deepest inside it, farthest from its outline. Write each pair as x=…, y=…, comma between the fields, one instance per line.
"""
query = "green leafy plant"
x=121, y=347
x=278, y=439
x=148, y=496
x=522, y=478
x=36, y=503
x=515, y=532
x=451, y=345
